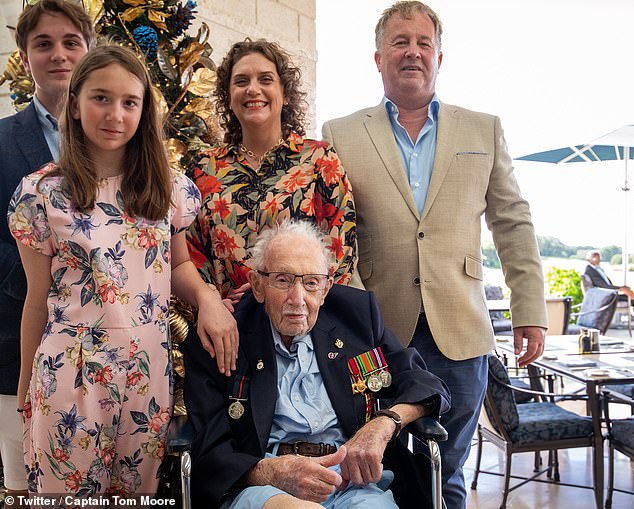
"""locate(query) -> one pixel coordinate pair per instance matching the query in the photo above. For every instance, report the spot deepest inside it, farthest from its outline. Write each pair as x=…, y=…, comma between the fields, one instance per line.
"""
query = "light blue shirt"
x=303, y=410
x=49, y=127
x=418, y=157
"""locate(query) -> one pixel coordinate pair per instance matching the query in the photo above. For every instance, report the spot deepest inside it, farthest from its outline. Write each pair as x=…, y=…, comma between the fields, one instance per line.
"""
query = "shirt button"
x=316, y=424
x=415, y=154
x=296, y=398
x=416, y=185
x=416, y=281
x=420, y=235
x=303, y=358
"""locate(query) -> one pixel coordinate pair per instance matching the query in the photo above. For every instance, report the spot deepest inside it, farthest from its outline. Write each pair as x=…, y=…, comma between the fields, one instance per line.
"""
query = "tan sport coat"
x=406, y=257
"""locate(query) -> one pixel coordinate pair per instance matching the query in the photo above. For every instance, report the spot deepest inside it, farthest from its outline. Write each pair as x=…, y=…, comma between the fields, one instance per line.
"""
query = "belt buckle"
x=296, y=446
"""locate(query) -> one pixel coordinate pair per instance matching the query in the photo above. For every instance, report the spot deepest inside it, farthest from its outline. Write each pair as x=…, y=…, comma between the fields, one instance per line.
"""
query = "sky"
x=557, y=73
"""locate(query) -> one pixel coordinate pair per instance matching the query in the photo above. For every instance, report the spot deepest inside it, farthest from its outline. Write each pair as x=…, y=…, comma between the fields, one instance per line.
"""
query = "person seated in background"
x=295, y=426
x=599, y=278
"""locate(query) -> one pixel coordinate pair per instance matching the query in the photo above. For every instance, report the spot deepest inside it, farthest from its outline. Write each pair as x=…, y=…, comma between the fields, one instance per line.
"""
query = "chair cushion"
x=521, y=397
x=539, y=422
x=501, y=325
x=503, y=397
x=623, y=431
x=625, y=389
x=596, y=298
x=495, y=293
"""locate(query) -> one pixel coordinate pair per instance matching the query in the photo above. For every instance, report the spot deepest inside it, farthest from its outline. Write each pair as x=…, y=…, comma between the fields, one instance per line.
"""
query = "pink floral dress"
x=99, y=401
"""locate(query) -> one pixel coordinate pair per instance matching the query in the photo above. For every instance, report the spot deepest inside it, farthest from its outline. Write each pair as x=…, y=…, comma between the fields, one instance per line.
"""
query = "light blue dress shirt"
x=418, y=157
x=49, y=127
x=304, y=412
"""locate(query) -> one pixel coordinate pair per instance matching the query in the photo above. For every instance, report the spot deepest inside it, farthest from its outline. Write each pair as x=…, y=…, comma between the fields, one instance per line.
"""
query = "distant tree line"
x=555, y=248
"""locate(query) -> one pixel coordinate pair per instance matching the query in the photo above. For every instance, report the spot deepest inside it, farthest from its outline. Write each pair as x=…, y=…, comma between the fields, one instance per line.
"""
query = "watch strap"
x=395, y=417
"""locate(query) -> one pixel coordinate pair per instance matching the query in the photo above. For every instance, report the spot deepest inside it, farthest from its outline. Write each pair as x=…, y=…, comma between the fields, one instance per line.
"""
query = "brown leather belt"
x=305, y=449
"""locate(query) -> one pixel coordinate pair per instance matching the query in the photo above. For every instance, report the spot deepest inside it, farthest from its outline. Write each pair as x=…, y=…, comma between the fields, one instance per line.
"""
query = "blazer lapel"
x=263, y=392
x=335, y=373
x=30, y=139
x=380, y=131
x=448, y=127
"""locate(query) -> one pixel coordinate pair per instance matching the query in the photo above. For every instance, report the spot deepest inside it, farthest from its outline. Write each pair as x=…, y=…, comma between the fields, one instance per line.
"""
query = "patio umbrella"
x=617, y=145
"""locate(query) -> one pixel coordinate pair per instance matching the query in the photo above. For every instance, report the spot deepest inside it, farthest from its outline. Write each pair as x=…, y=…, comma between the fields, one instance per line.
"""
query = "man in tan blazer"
x=423, y=173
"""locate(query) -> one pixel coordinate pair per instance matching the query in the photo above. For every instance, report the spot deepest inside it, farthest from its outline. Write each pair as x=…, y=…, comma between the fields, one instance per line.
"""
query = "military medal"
x=338, y=343
x=236, y=410
x=359, y=386
x=374, y=383
x=386, y=378
x=238, y=395
x=371, y=368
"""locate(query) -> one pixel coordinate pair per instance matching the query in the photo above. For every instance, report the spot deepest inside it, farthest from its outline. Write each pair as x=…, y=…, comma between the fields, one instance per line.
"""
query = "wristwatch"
x=395, y=417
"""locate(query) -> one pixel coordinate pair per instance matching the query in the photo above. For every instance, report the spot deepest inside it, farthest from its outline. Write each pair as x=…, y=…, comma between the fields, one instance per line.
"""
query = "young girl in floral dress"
x=101, y=237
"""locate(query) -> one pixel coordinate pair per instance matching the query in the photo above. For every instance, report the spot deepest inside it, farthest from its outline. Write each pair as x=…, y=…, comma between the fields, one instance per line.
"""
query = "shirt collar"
x=46, y=119
x=432, y=111
x=280, y=348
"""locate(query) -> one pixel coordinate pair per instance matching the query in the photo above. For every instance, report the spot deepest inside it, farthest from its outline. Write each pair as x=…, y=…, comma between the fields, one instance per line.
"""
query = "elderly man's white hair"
x=591, y=253
x=289, y=227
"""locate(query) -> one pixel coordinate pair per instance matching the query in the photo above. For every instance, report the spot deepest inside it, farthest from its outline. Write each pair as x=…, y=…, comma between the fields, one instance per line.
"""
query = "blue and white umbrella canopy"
x=617, y=145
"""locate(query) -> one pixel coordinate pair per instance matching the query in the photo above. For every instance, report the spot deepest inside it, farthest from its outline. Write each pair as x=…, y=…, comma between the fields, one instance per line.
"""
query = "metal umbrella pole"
x=626, y=189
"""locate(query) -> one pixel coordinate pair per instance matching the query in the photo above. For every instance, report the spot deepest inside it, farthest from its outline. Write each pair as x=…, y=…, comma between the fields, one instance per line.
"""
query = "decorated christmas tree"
x=180, y=65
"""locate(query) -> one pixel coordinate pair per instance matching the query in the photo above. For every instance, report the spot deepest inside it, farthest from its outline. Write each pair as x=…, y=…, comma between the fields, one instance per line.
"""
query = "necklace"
x=253, y=155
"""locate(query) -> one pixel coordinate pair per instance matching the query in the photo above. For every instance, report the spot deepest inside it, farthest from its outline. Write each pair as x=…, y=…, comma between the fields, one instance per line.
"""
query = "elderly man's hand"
x=306, y=478
x=535, y=343
x=363, y=463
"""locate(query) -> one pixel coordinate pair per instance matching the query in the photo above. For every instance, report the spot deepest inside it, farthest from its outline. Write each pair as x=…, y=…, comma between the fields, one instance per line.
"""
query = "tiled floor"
x=575, y=468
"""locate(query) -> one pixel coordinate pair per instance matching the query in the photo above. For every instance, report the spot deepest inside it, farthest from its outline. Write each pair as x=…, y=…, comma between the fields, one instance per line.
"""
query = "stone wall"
x=291, y=23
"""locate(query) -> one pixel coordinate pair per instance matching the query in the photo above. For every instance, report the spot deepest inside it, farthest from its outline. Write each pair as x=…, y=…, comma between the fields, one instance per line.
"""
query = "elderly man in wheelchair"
x=297, y=425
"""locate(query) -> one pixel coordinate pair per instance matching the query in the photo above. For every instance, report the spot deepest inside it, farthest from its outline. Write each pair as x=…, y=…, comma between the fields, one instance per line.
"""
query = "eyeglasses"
x=286, y=281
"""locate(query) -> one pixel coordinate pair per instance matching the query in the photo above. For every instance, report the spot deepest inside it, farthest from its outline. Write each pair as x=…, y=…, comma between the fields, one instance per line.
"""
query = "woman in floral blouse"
x=266, y=171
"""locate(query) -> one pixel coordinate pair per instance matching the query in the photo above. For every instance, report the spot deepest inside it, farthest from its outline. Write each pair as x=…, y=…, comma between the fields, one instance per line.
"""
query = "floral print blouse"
x=299, y=179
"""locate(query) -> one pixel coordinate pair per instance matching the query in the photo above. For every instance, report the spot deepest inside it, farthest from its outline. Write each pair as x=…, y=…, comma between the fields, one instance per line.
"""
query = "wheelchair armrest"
x=427, y=428
x=180, y=434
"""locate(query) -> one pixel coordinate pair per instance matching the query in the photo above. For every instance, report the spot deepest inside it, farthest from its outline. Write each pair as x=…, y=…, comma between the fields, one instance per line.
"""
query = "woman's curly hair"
x=293, y=112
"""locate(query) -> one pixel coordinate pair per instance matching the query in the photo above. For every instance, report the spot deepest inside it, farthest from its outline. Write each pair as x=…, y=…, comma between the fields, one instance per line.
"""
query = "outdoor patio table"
x=561, y=356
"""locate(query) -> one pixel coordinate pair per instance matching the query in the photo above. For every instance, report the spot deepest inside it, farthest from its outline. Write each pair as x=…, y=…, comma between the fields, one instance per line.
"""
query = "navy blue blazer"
x=225, y=449
x=23, y=149
x=598, y=280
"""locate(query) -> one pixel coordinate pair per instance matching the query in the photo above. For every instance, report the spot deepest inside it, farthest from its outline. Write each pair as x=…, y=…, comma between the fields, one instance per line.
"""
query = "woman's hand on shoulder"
x=218, y=331
x=235, y=294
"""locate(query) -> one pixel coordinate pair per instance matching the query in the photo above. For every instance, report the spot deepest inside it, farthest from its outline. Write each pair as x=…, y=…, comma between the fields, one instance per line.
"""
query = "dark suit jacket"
x=225, y=449
x=597, y=279
x=23, y=149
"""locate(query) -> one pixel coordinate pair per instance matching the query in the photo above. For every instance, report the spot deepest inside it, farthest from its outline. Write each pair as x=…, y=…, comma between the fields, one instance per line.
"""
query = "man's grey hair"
x=591, y=253
x=406, y=10
x=292, y=227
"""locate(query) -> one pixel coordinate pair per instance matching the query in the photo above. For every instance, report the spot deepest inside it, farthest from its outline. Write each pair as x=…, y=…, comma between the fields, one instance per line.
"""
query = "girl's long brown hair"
x=146, y=187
